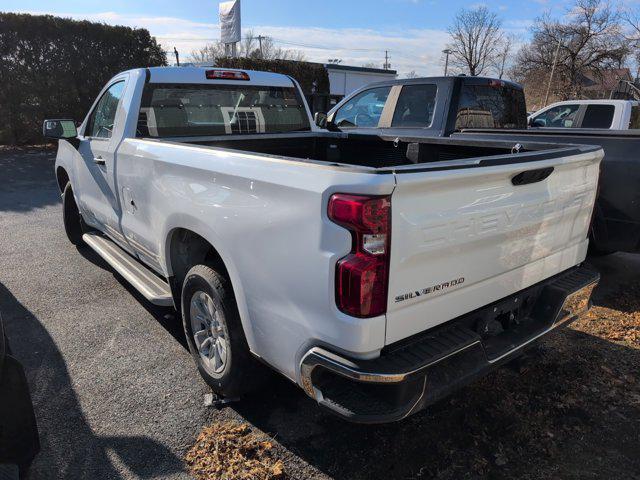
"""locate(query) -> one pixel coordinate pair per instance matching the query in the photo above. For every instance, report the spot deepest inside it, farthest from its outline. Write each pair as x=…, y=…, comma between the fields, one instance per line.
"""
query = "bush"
x=55, y=67
x=312, y=77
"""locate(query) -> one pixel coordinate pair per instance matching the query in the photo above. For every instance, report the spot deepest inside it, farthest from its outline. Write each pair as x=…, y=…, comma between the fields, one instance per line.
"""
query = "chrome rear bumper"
x=417, y=372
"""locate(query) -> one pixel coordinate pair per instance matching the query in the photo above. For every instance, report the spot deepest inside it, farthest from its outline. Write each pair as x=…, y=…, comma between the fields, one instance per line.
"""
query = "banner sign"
x=230, y=22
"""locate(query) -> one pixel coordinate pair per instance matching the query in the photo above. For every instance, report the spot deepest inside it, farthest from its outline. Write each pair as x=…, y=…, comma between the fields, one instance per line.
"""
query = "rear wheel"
x=214, y=333
x=73, y=225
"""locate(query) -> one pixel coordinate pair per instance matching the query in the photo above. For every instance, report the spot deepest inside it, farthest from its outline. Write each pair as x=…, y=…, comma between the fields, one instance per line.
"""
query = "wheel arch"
x=62, y=178
x=186, y=246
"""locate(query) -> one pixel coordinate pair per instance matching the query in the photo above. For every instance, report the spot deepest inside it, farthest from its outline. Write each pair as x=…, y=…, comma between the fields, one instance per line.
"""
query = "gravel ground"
x=117, y=396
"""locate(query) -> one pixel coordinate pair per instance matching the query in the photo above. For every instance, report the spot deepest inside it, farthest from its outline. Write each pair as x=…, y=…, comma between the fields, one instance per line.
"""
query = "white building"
x=344, y=79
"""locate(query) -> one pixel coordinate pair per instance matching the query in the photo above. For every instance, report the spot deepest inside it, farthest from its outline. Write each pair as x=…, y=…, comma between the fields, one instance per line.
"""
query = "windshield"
x=170, y=110
x=491, y=106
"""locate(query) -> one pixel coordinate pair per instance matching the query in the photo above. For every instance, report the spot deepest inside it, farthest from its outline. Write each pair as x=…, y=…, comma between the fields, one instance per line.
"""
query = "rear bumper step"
x=418, y=371
x=152, y=287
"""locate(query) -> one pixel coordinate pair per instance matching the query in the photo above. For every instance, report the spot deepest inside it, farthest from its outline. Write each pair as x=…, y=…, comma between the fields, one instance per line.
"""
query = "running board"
x=146, y=282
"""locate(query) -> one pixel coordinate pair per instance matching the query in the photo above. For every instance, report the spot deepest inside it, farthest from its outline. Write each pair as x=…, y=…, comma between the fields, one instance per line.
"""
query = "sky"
x=414, y=32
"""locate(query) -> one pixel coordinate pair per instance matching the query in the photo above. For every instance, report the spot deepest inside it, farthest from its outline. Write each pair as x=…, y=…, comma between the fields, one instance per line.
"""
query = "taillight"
x=226, y=75
x=497, y=83
x=362, y=276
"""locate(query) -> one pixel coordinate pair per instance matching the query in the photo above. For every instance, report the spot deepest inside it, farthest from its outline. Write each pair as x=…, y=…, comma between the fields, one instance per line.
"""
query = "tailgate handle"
x=532, y=176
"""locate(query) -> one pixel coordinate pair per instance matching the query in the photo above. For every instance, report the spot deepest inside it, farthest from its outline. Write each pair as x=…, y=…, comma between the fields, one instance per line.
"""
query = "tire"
x=73, y=224
x=206, y=293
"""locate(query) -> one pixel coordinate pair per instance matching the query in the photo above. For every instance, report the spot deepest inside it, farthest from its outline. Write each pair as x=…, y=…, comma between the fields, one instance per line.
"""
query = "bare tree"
x=207, y=54
x=632, y=19
x=503, y=55
x=412, y=74
x=251, y=46
x=587, y=44
x=475, y=37
x=370, y=65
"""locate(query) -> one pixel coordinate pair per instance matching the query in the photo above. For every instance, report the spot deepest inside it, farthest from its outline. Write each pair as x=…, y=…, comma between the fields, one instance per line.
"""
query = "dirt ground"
x=569, y=410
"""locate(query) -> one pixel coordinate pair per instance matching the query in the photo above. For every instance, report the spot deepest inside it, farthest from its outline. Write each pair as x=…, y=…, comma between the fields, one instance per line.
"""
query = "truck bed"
x=385, y=153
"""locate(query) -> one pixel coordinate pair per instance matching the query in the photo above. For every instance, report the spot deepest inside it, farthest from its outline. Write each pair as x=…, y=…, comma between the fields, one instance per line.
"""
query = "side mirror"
x=536, y=123
x=58, y=129
x=320, y=119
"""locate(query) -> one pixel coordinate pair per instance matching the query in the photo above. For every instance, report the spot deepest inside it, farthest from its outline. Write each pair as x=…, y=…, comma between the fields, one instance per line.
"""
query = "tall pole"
x=553, y=69
x=260, y=37
x=447, y=52
x=386, y=60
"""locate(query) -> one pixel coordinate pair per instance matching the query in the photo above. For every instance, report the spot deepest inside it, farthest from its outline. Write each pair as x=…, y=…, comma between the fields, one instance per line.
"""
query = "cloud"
x=415, y=49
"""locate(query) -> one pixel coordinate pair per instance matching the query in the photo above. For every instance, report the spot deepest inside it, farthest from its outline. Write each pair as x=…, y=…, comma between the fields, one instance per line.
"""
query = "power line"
x=276, y=40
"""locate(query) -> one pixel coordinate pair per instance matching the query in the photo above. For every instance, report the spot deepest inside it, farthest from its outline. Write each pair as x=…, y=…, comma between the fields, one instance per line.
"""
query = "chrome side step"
x=146, y=282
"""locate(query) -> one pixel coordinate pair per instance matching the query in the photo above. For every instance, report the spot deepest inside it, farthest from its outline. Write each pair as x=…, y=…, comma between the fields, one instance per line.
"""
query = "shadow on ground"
x=166, y=317
x=570, y=410
x=70, y=448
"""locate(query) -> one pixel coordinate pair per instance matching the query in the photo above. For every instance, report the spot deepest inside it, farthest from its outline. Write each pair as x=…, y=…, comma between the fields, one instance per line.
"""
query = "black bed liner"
x=385, y=154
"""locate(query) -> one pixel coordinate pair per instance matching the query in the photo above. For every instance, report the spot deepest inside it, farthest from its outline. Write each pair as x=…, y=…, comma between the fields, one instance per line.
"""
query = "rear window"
x=415, y=106
x=171, y=110
x=598, y=116
x=491, y=106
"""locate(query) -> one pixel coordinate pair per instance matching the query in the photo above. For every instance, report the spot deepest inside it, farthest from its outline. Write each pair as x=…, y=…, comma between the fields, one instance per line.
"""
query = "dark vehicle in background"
x=19, y=441
x=477, y=108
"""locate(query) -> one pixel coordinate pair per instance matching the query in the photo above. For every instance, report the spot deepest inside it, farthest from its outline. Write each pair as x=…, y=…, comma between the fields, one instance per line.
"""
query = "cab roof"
x=197, y=75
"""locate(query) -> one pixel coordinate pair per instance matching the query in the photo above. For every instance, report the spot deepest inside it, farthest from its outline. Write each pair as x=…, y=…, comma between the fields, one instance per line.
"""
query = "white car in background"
x=606, y=114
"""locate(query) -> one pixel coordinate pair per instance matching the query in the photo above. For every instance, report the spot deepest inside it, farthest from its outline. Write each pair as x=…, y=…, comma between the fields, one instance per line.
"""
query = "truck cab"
x=594, y=114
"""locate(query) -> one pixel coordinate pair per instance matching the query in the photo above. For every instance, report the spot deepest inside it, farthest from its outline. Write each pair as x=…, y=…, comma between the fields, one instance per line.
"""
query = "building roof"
x=607, y=80
x=337, y=66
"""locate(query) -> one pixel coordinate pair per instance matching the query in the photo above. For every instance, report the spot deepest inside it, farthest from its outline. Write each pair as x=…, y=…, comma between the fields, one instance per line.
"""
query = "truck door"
x=97, y=190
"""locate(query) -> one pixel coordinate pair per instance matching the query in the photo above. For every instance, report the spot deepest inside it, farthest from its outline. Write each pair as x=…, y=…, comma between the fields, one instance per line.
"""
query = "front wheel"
x=71, y=218
x=214, y=333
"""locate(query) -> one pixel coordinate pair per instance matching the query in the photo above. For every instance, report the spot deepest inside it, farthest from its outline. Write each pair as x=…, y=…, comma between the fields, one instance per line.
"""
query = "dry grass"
x=232, y=451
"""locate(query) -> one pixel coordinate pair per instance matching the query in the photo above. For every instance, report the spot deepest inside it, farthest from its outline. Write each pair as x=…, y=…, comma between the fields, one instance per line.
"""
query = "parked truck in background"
x=606, y=114
x=476, y=108
x=378, y=274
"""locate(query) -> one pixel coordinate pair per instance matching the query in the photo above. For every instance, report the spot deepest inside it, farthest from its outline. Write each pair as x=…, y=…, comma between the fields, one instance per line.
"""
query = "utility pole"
x=260, y=37
x=175, y=52
x=447, y=52
x=387, y=65
x=553, y=69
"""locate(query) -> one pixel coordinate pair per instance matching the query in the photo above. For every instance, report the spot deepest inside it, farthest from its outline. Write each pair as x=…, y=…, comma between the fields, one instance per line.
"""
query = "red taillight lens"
x=362, y=276
x=497, y=83
x=226, y=75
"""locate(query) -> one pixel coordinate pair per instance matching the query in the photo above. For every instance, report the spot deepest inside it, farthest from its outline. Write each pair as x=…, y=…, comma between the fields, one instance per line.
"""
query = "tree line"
x=593, y=37
x=52, y=66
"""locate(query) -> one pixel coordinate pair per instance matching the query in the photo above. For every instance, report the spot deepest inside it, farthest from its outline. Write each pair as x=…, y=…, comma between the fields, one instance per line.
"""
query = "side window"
x=103, y=116
x=635, y=118
x=415, y=106
x=363, y=110
x=562, y=116
x=598, y=116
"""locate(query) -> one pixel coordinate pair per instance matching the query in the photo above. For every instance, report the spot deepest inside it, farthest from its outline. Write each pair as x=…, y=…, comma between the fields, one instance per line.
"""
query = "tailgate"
x=463, y=238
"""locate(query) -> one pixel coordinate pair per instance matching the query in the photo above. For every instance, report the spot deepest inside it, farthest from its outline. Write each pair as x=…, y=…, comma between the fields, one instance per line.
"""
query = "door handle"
x=532, y=176
x=99, y=161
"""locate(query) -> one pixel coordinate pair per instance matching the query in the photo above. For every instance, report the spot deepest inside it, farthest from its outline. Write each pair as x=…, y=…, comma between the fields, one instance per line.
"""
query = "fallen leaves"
x=232, y=451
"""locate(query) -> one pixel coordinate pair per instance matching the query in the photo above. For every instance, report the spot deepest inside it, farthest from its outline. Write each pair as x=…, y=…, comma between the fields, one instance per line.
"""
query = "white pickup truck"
x=605, y=114
x=377, y=273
